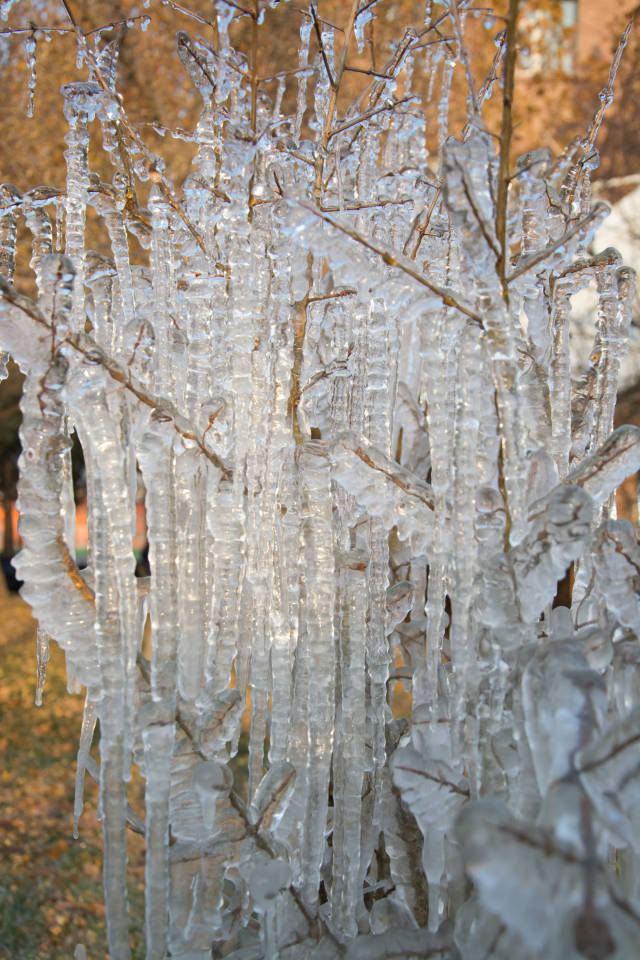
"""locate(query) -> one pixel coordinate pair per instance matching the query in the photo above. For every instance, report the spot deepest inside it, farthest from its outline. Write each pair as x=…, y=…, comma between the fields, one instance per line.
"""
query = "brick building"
x=565, y=36
x=596, y=24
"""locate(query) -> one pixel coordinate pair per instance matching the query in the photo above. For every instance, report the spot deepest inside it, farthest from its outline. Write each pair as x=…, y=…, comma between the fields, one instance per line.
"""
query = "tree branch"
x=87, y=348
x=505, y=147
x=396, y=260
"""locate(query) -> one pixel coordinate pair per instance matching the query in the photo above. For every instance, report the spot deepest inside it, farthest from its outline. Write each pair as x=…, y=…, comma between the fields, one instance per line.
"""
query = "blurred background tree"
x=566, y=49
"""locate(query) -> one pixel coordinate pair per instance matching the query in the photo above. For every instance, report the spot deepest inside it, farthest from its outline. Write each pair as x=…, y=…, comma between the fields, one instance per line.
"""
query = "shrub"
x=338, y=358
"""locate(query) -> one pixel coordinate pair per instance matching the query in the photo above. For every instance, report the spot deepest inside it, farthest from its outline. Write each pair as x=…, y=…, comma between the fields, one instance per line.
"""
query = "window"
x=549, y=36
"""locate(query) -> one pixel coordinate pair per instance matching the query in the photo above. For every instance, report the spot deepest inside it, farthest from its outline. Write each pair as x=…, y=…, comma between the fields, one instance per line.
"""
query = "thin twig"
x=87, y=348
x=372, y=205
x=526, y=263
x=73, y=571
x=333, y=99
x=189, y=13
x=606, y=98
x=123, y=121
x=463, y=792
x=369, y=72
x=368, y=115
x=505, y=147
x=318, y=34
x=425, y=226
x=314, y=14
x=489, y=81
x=396, y=260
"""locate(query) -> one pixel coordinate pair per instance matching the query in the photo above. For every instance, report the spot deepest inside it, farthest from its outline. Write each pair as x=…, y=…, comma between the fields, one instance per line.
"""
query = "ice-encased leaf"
x=603, y=471
x=265, y=879
x=611, y=575
x=383, y=487
x=398, y=602
x=211, y=780
x=433, y=791
x=564, y=703
x=518, y=878
x=217, y=718
x=559, y=527
x=609, y=767
x=272, y=796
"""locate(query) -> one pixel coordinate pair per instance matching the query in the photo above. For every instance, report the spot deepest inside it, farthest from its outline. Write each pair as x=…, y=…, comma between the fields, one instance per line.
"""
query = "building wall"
x=599, y=23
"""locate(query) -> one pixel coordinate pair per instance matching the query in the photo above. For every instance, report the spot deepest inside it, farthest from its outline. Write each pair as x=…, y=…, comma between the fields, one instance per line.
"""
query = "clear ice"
x=367, y=466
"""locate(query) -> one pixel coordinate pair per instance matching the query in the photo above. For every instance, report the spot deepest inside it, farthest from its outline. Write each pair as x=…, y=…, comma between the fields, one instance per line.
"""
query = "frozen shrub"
x=341, y=367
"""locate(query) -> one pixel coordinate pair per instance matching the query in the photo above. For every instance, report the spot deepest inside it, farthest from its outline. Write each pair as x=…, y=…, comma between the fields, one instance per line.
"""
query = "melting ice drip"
x=365, y=462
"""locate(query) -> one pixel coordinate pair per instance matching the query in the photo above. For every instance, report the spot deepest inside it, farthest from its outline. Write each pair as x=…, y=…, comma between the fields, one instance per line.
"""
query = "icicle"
x=42, y=657
x=9, y=200
x=81, y=101
x=223, y=81
x=161, y=266
x=349, y=756
x=191, y=484
x=324, y=78
x=560, y=381
x=39, y=224
x=59, y=597
x=9, y=208
x=612, y=328
x=100, y=275
x=285, y=611
x=318, y=609
x=303, y=56
x=86, y=738
x=464, y=652
x=123, y=321
x=30, y=58
x=158, y=739
x=116, y=618
x=443, y=104
x=157, y=463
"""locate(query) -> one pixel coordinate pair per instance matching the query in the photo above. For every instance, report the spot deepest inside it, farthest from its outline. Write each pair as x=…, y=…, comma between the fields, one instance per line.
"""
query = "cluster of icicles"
x=366, y=464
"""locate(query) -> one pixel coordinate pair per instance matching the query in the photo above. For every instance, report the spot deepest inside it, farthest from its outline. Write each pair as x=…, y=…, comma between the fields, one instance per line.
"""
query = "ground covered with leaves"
x=50, y=884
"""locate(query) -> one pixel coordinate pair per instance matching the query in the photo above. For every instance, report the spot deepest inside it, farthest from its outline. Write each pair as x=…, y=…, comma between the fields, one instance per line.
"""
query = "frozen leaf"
x=529, y=887
x=564, y=704
x=433, y=791
x=382, y=487
x=211, y=781
x=603, y=471
x=610, y=769
x=272, y=796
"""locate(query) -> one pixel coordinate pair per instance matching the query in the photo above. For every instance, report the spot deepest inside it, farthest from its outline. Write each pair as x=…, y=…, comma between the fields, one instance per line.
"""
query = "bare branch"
x=369, y=114
x=122, y=122
x=396, y=260
x=87, y=348
x=527, y=263
x=463, y=792
x=505, y=145
x=316, y=28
